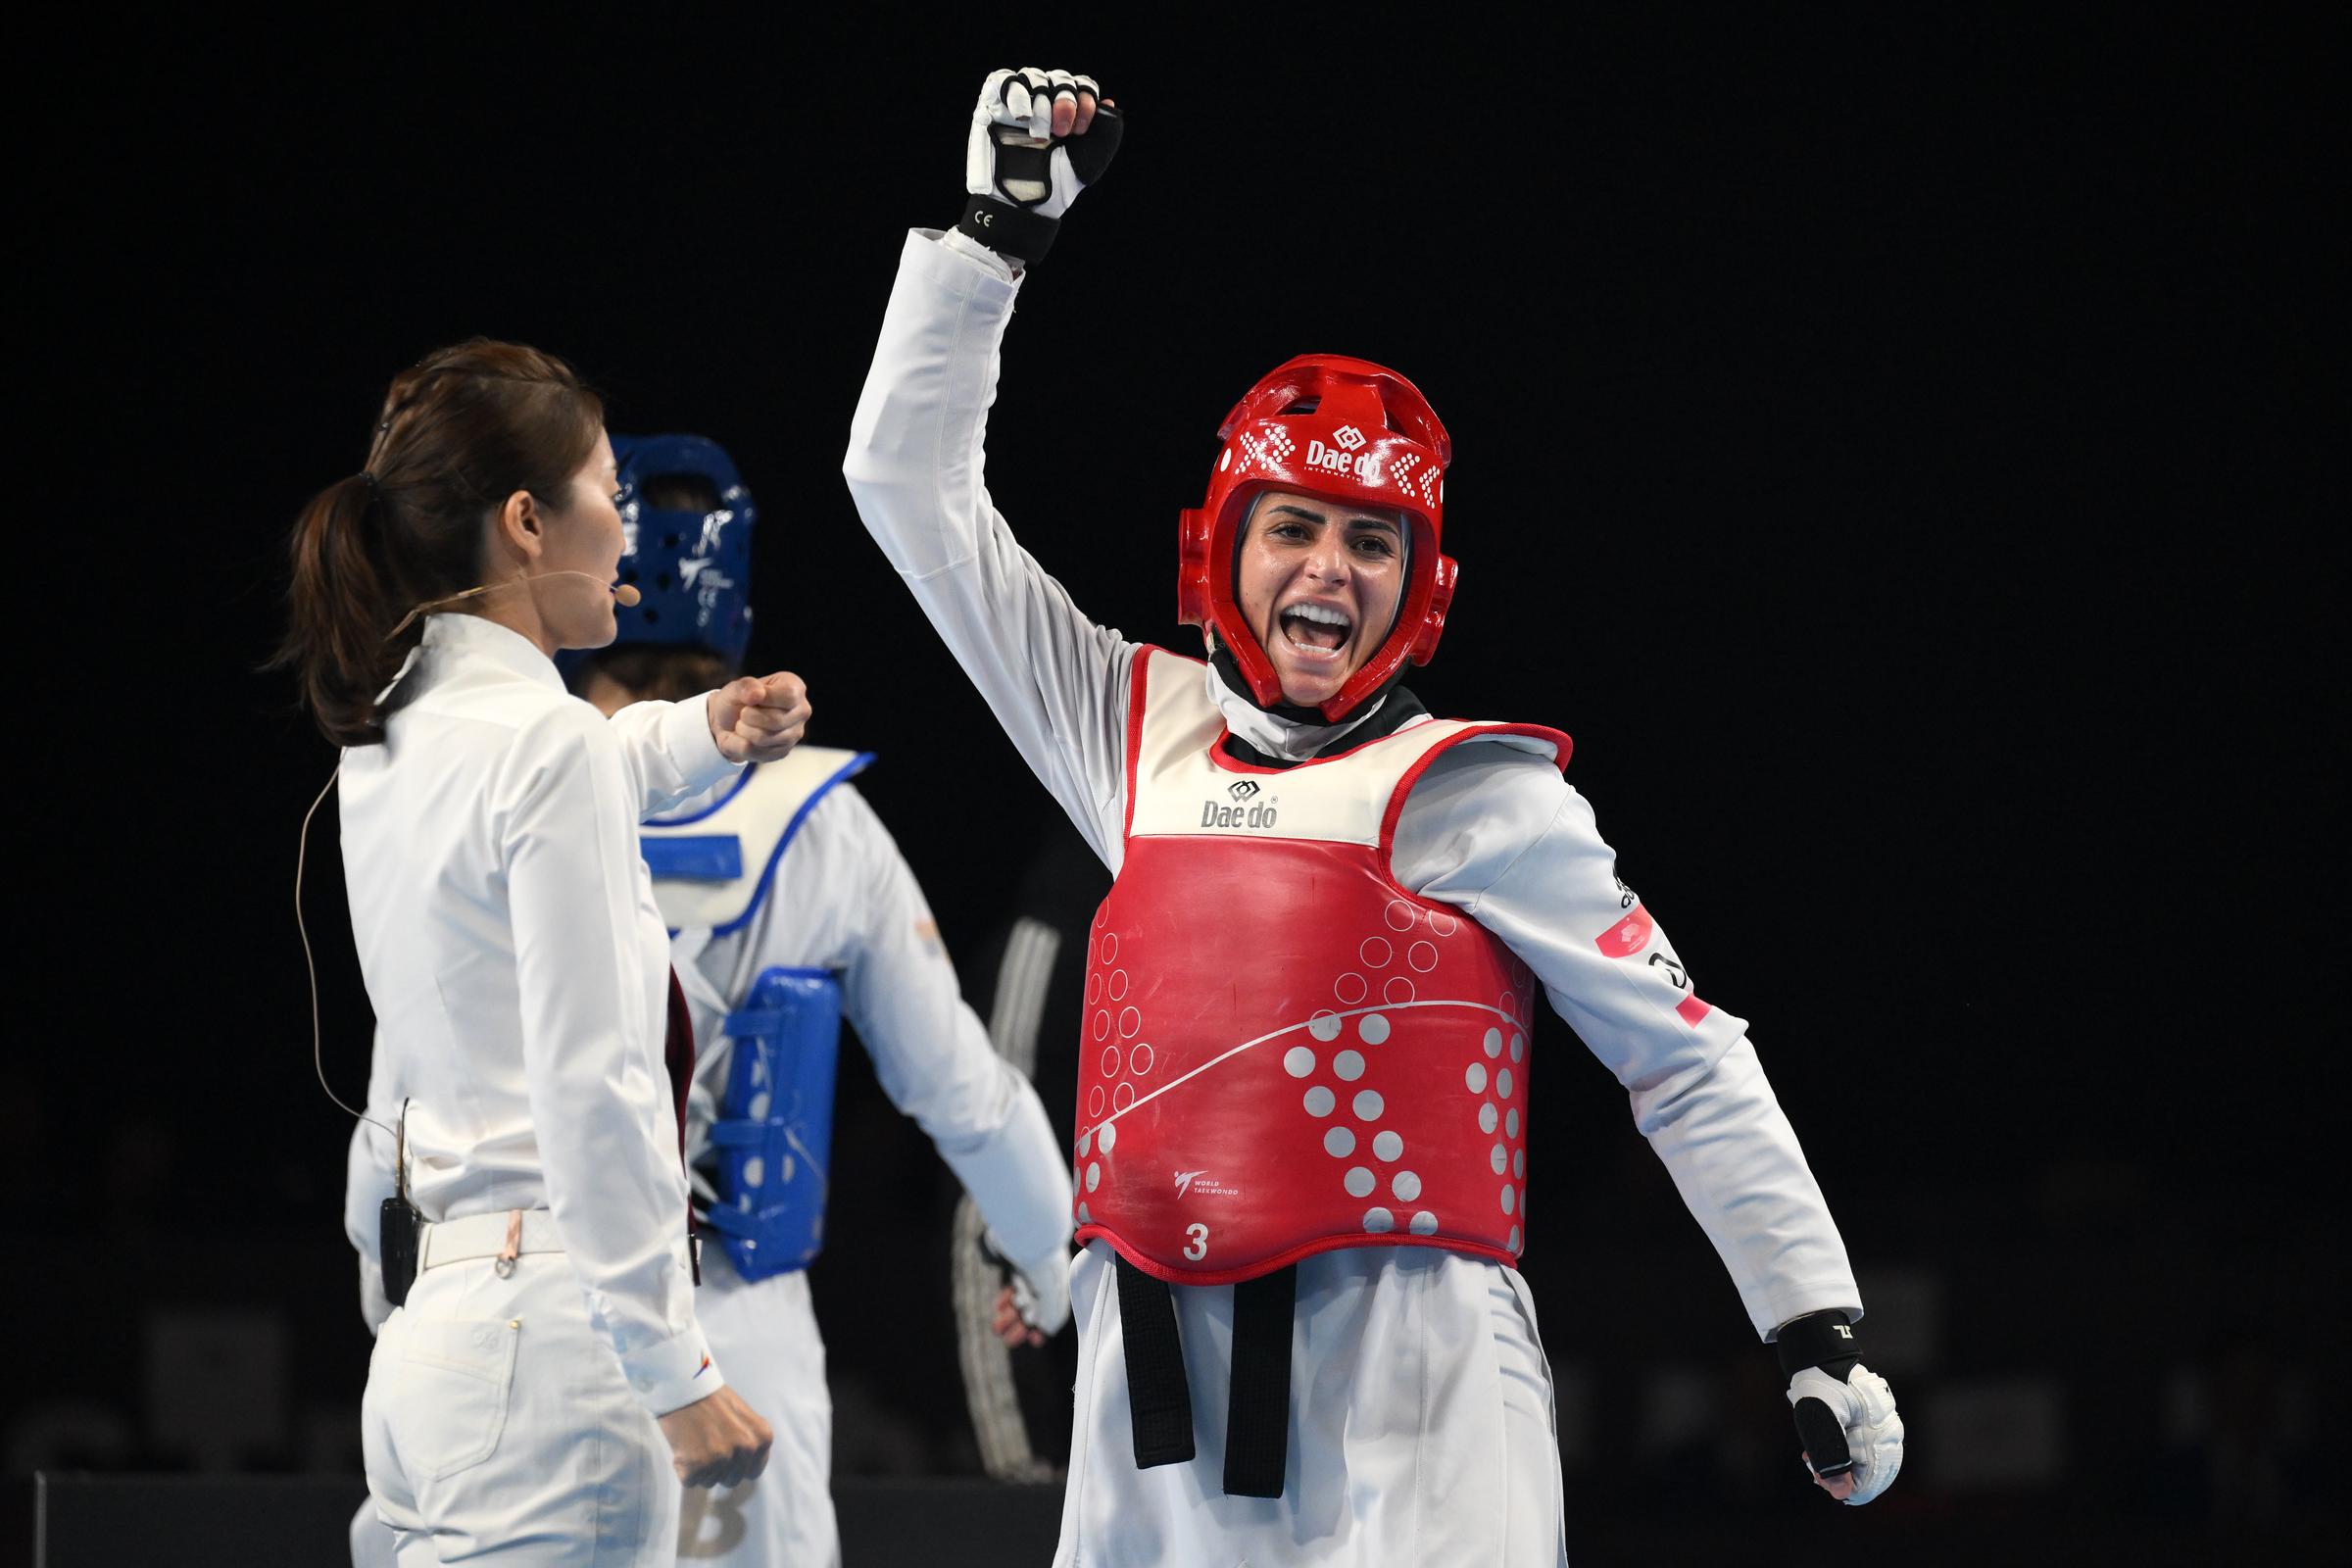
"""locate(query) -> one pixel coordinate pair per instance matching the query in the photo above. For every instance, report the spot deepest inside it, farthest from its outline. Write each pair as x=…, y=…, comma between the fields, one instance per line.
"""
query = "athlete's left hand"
x=1845, y=1420
x=1853, y=1440
x=758, y=718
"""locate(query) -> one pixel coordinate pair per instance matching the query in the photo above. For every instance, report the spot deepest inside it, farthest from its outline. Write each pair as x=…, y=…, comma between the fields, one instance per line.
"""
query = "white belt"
x=457, y=1241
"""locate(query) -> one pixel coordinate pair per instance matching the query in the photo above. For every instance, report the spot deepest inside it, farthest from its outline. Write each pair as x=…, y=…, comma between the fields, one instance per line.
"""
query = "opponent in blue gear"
x=690, y=563
x=764, y=1085
x=774, y=1133
x=792, y=911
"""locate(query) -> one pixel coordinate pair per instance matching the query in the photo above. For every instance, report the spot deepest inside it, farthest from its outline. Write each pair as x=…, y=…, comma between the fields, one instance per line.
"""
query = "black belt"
x=1257, y=1410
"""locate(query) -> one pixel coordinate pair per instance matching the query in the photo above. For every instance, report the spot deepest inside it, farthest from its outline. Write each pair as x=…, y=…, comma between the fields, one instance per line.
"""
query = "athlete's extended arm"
x=933, y=1059
x=1505, y=839
x=1056, y=682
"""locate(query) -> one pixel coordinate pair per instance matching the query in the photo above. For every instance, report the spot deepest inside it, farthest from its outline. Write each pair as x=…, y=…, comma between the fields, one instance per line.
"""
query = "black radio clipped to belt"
x=399, y=1226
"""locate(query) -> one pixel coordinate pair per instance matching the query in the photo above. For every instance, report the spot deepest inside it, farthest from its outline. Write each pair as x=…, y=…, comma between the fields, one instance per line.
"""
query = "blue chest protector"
x=774, y=1132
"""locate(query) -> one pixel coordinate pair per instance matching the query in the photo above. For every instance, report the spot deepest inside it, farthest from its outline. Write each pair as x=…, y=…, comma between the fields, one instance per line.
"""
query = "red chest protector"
x=1284, y=1051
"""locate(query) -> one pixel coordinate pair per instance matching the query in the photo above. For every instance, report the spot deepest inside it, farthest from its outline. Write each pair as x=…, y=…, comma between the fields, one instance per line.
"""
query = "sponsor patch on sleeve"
x=1627, y=935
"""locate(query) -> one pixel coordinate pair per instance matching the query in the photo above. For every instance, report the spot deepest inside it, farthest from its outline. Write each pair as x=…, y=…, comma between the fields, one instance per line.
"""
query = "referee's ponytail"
x=459, y=433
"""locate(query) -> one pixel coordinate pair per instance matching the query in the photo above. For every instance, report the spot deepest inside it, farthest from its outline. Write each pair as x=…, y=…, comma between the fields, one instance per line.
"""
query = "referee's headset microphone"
x=400, y=1218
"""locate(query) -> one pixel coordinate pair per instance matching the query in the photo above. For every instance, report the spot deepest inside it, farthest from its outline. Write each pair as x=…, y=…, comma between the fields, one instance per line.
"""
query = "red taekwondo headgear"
x=1348, y=431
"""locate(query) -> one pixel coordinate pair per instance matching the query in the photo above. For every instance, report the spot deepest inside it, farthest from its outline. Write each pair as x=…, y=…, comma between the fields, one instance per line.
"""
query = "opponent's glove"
x=1844, y=1411
x=1019, y=177
x=1041, y=1289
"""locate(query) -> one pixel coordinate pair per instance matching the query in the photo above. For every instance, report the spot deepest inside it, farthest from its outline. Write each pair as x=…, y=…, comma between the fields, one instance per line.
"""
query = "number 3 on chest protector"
x=774, y=1130
x=1195, y=1246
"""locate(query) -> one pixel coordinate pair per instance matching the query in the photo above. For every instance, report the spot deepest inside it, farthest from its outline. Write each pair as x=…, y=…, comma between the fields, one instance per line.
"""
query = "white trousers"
x=498, y=1429
x=1422, y=1427
x=763, y=1334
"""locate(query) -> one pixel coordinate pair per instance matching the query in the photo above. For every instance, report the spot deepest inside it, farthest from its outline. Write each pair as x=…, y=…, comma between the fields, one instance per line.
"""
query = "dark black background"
x=1897, y=451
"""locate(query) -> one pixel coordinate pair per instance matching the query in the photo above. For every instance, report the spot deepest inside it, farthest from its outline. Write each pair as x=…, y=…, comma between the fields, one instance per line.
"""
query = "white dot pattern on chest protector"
x=1379, y=995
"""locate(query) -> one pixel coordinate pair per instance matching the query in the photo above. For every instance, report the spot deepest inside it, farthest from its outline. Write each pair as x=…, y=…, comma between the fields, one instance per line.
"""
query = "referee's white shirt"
x=520, y=973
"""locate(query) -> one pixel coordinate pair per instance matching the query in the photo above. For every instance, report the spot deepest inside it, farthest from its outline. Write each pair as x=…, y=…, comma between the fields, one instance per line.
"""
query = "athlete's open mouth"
x=1316, y=629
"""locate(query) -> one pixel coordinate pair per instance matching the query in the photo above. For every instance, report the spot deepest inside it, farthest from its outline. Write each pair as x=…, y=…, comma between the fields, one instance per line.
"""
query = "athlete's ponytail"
x=459, y=433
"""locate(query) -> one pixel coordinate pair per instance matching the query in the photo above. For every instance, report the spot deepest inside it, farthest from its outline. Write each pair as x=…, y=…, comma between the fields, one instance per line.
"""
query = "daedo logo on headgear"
x=1342, y=457
x=1240, y=814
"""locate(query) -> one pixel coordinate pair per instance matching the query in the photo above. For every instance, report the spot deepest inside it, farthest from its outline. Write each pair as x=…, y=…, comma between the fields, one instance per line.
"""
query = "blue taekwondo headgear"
x=693, y=569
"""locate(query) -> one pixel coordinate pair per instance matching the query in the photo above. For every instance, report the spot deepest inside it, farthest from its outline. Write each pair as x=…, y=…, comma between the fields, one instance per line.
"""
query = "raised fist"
x=1038, y=138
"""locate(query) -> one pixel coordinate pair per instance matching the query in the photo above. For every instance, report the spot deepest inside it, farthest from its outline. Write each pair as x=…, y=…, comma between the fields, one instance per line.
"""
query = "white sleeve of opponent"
x=1501, y=834
x=932, y=1057
x=669, y=753
x=1055, y=680
x=599, y=1093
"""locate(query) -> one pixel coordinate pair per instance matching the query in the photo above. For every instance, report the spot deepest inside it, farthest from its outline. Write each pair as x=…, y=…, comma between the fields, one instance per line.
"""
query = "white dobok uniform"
x=1422, y=1425
x=520, y=974
x=838, y=898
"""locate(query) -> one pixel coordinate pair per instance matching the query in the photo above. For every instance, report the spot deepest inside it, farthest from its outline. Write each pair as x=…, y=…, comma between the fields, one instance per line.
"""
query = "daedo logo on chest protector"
x=1246, y=811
